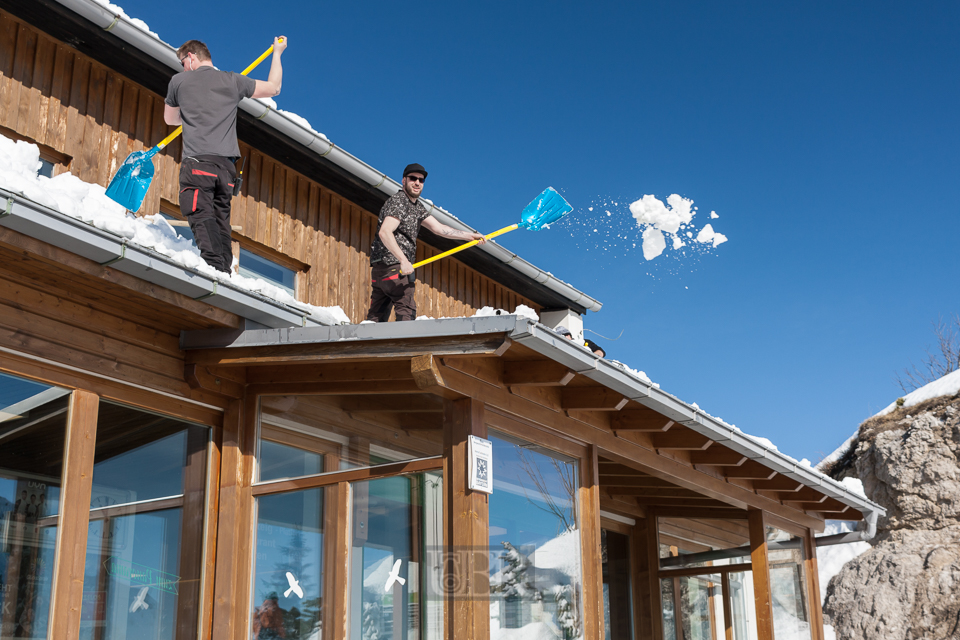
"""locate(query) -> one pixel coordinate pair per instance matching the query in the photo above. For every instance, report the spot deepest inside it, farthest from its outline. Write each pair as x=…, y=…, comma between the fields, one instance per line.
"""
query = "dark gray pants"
x=206, y=189
x=391, y=290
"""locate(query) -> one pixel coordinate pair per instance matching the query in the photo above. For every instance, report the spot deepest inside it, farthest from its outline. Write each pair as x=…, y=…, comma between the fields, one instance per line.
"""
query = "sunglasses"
x=183, y=61
x=416, y=179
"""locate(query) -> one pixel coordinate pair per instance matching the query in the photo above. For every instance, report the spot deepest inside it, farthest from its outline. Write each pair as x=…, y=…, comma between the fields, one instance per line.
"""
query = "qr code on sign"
x=482, y=473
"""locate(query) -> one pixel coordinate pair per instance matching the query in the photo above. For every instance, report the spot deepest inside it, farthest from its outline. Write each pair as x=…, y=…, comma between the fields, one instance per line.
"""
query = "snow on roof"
x=948, y=385
x=71, y=196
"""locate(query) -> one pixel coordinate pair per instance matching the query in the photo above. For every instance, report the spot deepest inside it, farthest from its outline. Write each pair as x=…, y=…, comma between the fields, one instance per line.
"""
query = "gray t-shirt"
x=208, y=100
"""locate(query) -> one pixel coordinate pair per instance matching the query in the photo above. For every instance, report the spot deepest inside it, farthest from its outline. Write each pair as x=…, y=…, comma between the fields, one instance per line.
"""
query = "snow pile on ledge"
x=66, y=193
x=289, y=115
x=137, y=22
x=948, y=385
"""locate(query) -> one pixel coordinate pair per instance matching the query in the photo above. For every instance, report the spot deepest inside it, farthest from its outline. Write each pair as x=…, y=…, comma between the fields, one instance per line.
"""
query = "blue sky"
x=823, y=134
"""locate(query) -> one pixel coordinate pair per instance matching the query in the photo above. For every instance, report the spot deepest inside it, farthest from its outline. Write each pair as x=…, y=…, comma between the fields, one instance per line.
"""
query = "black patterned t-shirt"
x=410, y=215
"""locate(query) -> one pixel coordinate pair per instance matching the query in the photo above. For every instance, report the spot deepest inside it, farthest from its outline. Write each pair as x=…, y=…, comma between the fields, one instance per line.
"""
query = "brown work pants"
x=391, y=290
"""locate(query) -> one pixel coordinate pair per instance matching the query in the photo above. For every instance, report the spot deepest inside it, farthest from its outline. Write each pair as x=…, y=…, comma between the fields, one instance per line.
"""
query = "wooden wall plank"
x=51, y=93
x=75, y=493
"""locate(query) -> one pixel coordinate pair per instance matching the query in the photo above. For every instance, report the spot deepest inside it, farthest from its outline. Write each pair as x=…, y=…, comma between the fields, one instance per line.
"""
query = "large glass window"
x=394, y=592
x=705, y=565
x=254, y=266
x=33, y=420
x=535, y=574
x=787, y=585
x=145, y=537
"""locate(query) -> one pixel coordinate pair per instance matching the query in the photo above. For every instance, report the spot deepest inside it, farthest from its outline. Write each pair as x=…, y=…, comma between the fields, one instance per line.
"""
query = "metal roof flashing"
x=549, y=344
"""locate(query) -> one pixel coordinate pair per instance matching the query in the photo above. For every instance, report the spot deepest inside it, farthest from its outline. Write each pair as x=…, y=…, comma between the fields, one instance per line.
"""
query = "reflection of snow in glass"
x=535, y=579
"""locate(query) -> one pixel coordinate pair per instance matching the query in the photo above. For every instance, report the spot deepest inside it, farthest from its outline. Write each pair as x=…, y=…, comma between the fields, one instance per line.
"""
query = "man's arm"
x=441, y=229
x=271, y=87
x=389, y=240
x=171, y=115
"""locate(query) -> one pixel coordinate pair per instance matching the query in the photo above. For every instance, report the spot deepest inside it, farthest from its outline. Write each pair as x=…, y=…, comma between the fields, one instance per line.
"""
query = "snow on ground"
x=948, y=385
x=832, y=558
x=66, y=193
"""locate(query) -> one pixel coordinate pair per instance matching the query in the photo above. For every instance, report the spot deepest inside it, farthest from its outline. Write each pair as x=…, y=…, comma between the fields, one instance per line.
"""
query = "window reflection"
x=395, y=591
x=787, y=580
x=144, y=540
x=288, y=581
x=535, y=581
x=33, y=420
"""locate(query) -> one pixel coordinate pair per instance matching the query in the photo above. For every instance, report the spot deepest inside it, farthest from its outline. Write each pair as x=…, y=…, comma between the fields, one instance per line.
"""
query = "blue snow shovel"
x=546, y=208
x=129, y=186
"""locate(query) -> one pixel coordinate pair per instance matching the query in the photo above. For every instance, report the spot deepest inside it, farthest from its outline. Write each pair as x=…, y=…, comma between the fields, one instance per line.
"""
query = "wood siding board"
x=57, y=117
x=333, y=252
x=43, y=82
x=343, y=252
x=76, y=489
x=23, y=78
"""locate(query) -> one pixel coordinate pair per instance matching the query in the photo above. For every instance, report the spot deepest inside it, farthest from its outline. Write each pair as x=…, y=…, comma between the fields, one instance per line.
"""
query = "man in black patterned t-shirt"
x=395, y=247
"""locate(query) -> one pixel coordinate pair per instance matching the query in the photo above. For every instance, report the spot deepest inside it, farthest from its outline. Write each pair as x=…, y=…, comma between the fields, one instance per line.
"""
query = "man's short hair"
x=195, y=47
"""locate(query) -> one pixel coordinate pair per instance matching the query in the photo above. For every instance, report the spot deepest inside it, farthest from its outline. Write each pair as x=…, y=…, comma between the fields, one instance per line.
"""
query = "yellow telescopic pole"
x=466, y=245
x=173, y=136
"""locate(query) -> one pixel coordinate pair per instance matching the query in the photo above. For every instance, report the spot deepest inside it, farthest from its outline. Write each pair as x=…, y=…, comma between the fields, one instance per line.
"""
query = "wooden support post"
x=234, y=557
x=466, y=527
x=727, y=606
x=336, y=556
x=761, y=575
x=813, y=585
x=592, y=567
x=191, y=533
x=653, y=574
x=76, y=487
x=643, y=625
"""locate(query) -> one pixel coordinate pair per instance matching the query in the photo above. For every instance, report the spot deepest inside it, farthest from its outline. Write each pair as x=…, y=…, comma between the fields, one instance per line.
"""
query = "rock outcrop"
x=908, y=585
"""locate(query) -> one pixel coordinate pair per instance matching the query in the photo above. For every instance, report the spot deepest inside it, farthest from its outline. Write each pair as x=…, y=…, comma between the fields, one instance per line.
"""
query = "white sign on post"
x=481, y=465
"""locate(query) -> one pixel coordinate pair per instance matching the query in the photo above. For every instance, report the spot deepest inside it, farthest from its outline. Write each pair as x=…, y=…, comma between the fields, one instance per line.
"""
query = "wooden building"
x=179, y=460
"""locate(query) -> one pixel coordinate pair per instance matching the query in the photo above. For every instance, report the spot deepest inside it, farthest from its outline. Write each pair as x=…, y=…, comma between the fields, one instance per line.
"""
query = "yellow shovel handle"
x=466, y=245
x=173, y=136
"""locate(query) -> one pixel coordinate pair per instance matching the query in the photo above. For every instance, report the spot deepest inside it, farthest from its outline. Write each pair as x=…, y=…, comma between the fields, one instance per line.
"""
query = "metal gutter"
x=108, y=249
x=551, y=345
x=165, y=53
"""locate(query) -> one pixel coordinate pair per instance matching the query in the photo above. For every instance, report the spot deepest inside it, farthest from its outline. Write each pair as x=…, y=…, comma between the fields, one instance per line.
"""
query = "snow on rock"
x=948, y=385
x=71, y=196
x=839, y=451
x=659, y=221
x=854, y=485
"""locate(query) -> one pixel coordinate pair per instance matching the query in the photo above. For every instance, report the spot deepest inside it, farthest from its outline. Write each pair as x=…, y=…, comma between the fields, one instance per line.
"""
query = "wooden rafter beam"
x=677, y=502
x=421, y=421
x=626, y=481
x=405, y=403
x=653, y=492
x=591, y=399
x=777, y=485
x=642, y=419
x=425, y=372
x=680, y=439
x=540, y=373
x=331, y=372
x=718, y=456
x=806, y=494
x=750, y=470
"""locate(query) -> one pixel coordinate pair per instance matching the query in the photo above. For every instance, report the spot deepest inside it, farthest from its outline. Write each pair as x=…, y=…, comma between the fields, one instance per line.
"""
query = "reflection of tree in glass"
x=515, y=581
x=370, y=623
x=298, y=622
x=560, y=507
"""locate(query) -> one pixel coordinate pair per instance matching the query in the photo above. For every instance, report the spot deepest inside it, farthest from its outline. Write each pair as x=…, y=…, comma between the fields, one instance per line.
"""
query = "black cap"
x=414, y=168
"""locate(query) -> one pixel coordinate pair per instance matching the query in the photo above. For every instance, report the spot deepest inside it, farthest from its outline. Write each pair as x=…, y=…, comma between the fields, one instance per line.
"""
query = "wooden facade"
x=88, y=119
x=695, y=516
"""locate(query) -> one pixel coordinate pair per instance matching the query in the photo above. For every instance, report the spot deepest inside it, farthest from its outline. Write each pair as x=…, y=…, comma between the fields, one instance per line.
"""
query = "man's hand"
x=478, y=237
x=279, y=44
x=405, y=267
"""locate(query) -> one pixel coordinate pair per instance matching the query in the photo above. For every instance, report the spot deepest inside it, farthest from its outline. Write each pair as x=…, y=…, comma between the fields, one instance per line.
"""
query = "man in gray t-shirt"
x=204, y=100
